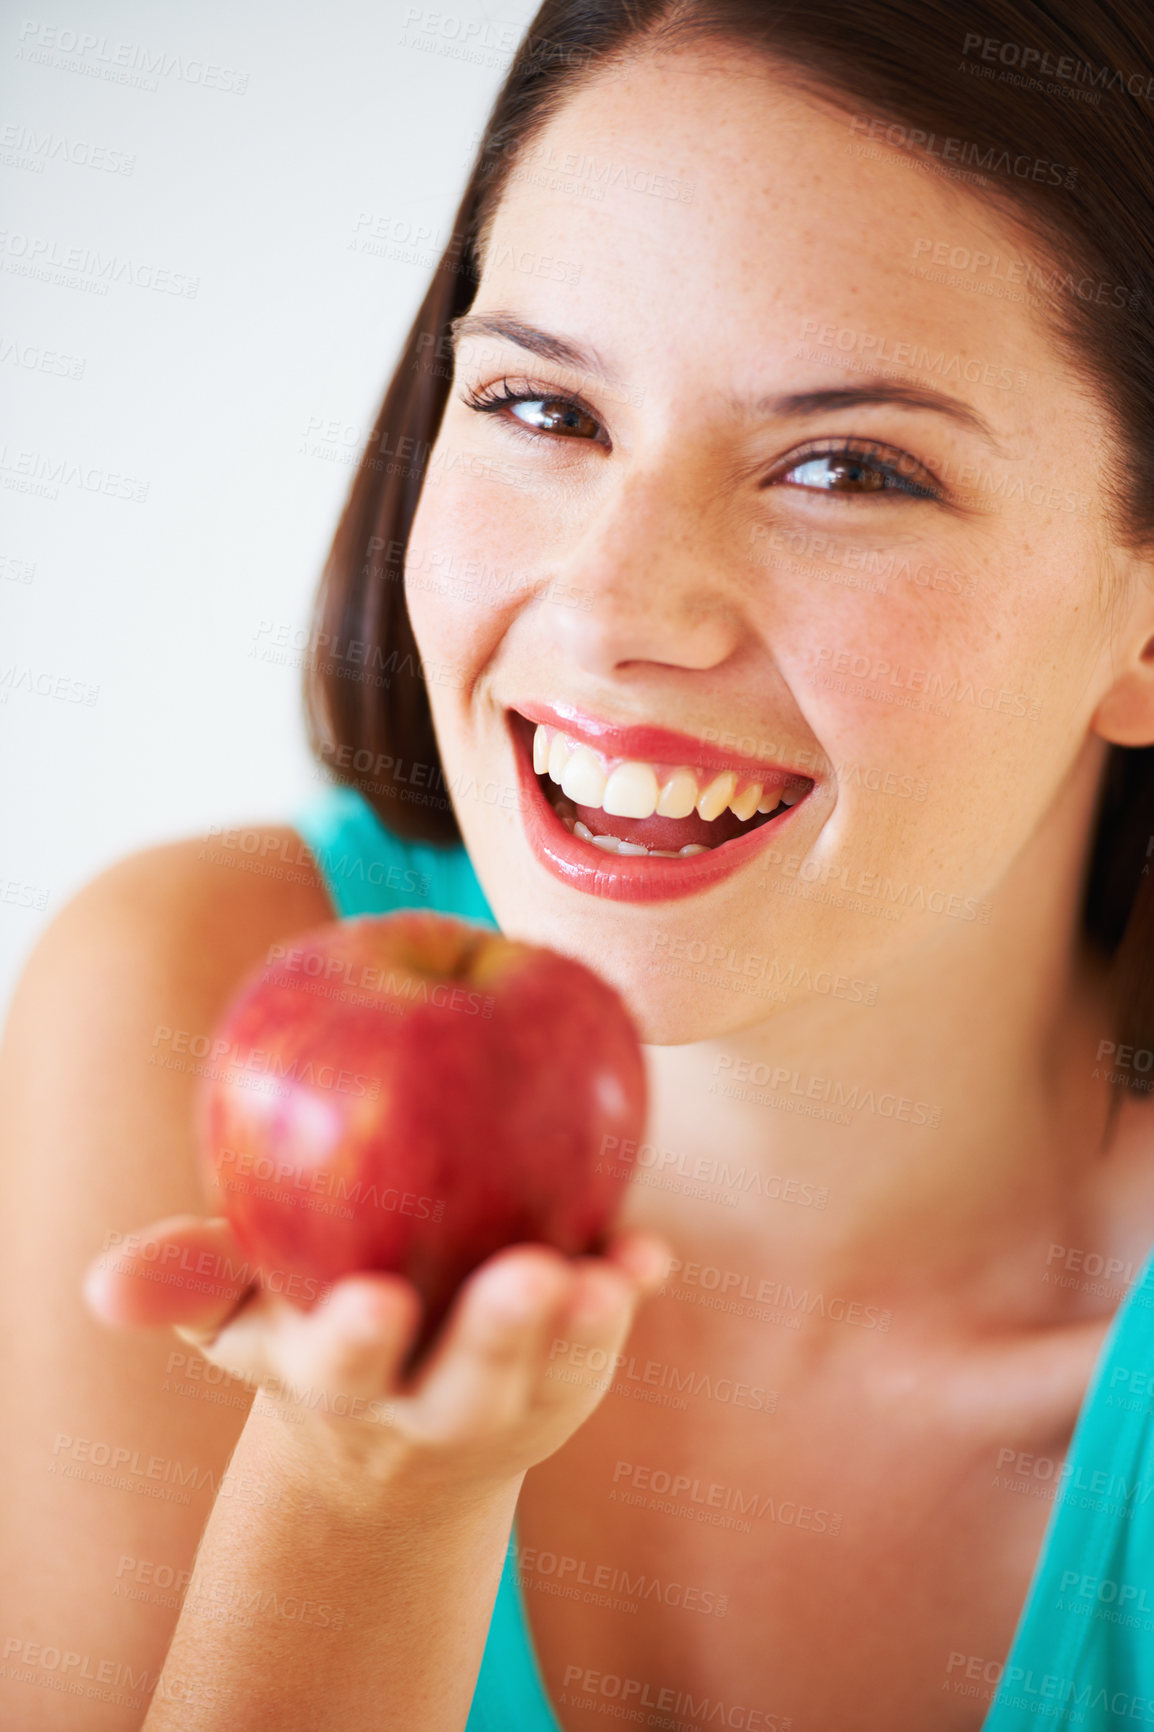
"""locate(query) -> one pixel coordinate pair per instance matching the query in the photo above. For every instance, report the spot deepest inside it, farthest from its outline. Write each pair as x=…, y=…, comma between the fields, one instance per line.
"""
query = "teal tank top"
x=1083, y=1651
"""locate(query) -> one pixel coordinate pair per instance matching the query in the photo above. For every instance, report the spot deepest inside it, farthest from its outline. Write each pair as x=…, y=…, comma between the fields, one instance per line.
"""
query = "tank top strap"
x=368, y=869
x=510, y=1688
x=1083, y=1652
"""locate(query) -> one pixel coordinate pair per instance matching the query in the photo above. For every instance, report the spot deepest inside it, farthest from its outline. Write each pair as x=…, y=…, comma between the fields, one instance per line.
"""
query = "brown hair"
x=1047, y=104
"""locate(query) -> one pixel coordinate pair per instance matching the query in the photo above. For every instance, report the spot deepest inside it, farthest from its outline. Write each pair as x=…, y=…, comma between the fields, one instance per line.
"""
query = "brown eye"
x=858, y=472
x=535, y=409
x=839, y=475
x=554, y=415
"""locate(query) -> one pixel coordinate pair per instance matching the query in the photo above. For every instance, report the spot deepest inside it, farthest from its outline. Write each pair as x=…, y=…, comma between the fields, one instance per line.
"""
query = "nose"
x=649, y=572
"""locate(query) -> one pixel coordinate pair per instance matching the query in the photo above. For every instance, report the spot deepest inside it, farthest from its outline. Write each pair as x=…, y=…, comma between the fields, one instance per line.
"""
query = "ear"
x=1125, y=716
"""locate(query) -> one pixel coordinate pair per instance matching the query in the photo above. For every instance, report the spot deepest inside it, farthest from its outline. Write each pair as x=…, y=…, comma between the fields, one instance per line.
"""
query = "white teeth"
x=714, y=799
x=583, y=777
x=678, y=795
x=558, y=754
x=745, y=805
x=630, y=792
x=614, y=845
x=637, y=790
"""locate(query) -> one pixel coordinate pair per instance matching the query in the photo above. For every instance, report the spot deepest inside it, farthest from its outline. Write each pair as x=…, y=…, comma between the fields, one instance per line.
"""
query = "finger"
x=643, y=1256
x=184, y=1270
x=589, y=1331
x=357, y=1338
x=482, y=1369
x=342, y=1353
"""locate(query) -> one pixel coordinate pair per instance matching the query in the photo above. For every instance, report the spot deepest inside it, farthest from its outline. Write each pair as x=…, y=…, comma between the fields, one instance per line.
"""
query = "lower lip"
x=626, y=877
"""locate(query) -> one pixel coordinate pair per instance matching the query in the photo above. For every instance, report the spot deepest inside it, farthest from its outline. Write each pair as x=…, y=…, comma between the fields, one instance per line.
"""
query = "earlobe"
x=1125, y=716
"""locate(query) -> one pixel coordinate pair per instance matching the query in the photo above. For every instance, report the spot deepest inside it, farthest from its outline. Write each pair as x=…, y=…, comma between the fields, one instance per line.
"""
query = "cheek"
x=927, y=698
x=466, y=567
x=911, y=658
x=873, y=670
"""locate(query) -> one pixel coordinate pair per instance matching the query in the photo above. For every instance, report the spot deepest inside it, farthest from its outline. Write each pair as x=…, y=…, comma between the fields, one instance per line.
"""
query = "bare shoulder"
x=131, y=975
x=98, y=1074
x=164, y=932
x=192, y=905
x=98, y=1065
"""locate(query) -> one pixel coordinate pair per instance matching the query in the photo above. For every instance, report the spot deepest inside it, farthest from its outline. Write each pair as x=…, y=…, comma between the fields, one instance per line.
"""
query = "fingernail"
x=597, y=1299
x=92, y=1287
x=515, y=1293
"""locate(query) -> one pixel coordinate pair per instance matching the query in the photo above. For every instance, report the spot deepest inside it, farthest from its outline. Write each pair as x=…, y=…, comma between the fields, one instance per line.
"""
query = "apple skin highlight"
x=413, y=1093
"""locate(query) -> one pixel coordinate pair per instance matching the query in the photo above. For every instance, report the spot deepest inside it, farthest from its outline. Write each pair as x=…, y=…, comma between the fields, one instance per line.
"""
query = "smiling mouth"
x=664, y=810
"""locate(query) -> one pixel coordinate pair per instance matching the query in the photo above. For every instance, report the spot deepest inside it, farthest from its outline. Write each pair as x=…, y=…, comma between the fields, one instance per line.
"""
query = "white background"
x=221, y=403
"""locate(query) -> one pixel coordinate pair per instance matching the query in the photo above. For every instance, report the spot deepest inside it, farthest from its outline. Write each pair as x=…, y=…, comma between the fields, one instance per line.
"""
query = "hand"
x=479, y=1405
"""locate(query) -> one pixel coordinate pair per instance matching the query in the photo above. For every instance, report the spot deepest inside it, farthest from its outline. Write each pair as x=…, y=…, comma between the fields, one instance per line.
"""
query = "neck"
x=954, y=1126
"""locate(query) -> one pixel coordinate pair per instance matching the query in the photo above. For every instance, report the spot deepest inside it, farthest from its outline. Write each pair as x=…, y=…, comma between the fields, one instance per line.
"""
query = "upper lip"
x=647, y=743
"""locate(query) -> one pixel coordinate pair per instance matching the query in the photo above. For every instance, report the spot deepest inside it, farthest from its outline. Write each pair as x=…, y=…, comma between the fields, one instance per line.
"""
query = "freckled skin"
x=693, y=621
x=954, y=912
x=956, y=645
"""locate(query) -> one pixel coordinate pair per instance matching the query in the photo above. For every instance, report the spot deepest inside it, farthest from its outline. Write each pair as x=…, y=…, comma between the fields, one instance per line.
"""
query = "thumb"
x=184, y=1270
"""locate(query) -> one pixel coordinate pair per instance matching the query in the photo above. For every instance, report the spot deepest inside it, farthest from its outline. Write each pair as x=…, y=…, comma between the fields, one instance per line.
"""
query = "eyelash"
x=885, y=460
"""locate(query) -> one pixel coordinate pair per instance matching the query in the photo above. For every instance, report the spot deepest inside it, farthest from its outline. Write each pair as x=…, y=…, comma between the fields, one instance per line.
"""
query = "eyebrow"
x=868, y=392
x=542, y=343
x=795, y=404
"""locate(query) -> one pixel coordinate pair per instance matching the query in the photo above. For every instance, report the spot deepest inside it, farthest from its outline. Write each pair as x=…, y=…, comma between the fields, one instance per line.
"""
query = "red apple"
x=411, y=1094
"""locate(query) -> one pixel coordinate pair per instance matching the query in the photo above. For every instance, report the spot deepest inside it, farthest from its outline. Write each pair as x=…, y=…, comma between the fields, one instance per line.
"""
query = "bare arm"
x=349, y=1567
x=121, y=1448
x=110, y=1442
x=358, y=1609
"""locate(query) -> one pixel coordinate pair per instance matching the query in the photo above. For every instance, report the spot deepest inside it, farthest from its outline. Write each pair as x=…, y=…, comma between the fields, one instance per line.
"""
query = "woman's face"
x=825, y=509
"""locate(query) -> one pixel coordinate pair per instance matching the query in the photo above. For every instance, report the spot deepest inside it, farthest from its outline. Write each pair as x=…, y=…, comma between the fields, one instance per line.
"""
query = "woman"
x=751, y=569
